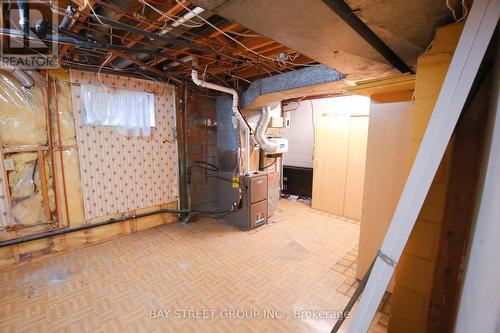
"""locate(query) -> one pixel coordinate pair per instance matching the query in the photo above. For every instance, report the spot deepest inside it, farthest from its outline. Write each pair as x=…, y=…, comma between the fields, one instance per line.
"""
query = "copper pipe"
x=48, y=111
x=43, y=182
x=36, y=149
x=56, y=110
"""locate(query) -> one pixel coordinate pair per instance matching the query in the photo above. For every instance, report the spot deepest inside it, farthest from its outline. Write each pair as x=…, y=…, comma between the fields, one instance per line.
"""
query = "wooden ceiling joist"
x=229, y=51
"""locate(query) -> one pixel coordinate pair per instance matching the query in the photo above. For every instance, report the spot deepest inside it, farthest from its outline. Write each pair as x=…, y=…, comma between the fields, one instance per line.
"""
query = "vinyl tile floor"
x=291, y=275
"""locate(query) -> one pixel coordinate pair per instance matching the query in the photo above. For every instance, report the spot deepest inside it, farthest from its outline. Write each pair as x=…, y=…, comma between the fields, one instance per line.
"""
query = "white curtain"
x=132, y=112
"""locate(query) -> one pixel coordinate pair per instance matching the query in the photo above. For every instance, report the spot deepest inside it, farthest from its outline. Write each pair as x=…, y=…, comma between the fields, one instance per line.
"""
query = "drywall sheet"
x=121, y=173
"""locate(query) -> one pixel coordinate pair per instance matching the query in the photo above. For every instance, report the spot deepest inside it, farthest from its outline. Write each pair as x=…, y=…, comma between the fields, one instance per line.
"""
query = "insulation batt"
x=29, y=211
x=22, y=120
x=64, y=108
x=24, y=180
x=70, y=157
x=23, y=124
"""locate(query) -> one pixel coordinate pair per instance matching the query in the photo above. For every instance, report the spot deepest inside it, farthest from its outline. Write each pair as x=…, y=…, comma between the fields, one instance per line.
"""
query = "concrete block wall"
x=414, y=274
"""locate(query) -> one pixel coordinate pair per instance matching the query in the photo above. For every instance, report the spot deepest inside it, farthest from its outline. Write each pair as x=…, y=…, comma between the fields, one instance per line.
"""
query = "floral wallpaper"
x=121, y=173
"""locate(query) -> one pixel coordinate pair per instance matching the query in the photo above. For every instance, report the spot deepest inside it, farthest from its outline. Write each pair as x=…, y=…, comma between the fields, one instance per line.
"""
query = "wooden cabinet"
x=339, y=164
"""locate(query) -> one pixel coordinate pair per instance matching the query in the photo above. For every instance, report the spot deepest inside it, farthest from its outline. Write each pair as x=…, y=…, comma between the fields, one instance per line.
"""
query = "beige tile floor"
x=206, y=275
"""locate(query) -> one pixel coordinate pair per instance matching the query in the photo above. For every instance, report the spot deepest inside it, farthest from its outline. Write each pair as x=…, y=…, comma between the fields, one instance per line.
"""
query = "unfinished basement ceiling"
x=159, y=39
x=237, y=42
x=313, y=29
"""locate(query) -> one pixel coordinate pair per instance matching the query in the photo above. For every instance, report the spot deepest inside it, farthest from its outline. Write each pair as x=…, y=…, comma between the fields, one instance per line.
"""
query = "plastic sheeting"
x=129, y=110
x=25, y=184
x=22, y=124
x=62, y=121
x=22, y=116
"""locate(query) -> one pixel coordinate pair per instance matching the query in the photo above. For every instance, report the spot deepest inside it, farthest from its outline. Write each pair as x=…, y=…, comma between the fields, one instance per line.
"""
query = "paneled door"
x=339, y=164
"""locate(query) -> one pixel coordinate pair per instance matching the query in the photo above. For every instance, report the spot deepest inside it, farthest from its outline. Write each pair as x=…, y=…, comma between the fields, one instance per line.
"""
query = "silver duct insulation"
x=260, y=131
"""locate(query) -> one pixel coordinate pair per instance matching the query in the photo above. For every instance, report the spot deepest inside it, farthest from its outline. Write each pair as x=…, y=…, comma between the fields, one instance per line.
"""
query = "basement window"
x=131, y=111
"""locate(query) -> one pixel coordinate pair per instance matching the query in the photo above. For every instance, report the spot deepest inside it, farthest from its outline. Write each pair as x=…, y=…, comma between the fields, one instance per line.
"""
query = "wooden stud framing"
x=43, y=182
x=51, y=145
x=474, y=41
x=61, y=156
x=5, y=183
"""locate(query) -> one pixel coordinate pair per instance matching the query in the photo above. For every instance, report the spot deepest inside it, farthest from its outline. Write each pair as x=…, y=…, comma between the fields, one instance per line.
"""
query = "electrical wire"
x=100, y=68
x=171, y=17
x=242, y=35
x=211, y=47
x=87, y=3
x=207, y=163
x=465, y=11
x=155, y=2
x=230, y=37
x=451, y=9
x=270, y=165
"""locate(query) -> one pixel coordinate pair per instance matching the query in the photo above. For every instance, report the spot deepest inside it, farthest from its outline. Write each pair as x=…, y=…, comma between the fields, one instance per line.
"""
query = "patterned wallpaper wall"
x=121, y=173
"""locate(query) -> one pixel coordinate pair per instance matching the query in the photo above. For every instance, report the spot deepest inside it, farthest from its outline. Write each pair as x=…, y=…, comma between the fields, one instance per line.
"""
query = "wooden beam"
x=256, y=43
x=176, y=9
x=342, y=9
x=82, y=17
x=145, y=66
x=228, y=27
x=479, y=28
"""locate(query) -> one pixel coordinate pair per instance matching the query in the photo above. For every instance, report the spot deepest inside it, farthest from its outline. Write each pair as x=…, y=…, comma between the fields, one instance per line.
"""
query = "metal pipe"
x=88, y=226
x=24, y=17
x=189, y=15
x=183, y=142
x=154, y=36
x=236, y=111
x=68, y=21
x=79, y=41
x=260, y=131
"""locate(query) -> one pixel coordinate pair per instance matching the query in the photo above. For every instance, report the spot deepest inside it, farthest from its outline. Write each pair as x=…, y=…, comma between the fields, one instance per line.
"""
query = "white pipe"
x=260, y=131
x=24, y=78
x=236, y=112
x=181, y=60
x=189, y=15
